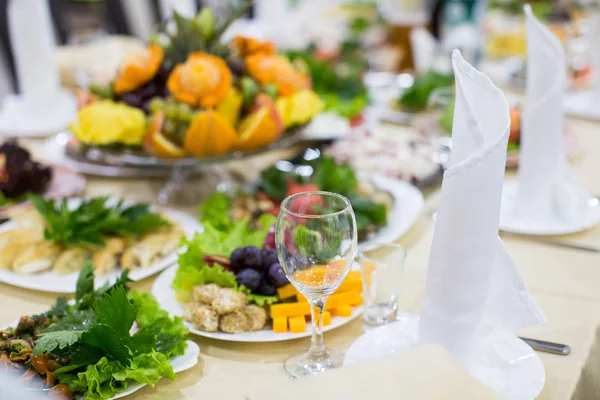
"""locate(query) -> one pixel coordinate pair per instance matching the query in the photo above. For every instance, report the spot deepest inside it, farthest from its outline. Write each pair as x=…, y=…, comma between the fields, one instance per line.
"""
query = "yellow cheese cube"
x=297, y=324
x=290, y=310
x=342, y=311
x=287, y=291
x=280, y=325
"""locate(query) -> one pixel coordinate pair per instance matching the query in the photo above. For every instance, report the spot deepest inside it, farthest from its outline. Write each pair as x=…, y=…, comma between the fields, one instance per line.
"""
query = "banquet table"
x=565, y=282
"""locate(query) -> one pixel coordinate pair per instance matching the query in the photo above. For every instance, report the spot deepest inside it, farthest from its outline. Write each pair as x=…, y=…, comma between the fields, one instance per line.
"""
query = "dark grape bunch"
x=19, y=174
x=258, y=270
x=140, y=98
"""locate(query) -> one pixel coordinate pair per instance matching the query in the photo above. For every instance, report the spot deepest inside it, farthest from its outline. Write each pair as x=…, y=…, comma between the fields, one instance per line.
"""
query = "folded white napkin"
x=547, y=194
x=41, y=105
x=472, y=283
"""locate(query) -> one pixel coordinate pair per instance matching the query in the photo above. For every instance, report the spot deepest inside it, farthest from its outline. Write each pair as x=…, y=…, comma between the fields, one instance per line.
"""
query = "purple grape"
x=269, y=257
x=246, y=257
x=237, y=66
x=249, y=278
x=236, y=260
x=277, y=276
x=132, y=99
x=266, y=289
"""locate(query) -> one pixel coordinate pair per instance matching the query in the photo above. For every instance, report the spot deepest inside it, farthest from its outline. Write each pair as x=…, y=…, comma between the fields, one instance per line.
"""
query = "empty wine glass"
x=316, y=244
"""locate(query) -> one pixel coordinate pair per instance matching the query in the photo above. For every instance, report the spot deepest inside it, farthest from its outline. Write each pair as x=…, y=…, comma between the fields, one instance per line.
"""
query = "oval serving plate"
x=48, y=281
x=165, y=295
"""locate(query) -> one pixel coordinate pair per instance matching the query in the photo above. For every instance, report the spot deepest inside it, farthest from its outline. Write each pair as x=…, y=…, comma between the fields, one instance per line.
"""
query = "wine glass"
x=315, y=238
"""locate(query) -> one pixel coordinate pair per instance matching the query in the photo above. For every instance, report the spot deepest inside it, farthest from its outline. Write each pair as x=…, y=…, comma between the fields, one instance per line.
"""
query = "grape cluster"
x=140, y=98
x=178, y=117
x=258, y=270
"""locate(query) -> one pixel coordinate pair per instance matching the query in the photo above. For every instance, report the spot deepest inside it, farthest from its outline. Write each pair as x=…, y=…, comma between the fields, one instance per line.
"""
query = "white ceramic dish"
x=502, y=361
x=408, y=203
x=48, y=281
x=165, y=296
x=509, y=223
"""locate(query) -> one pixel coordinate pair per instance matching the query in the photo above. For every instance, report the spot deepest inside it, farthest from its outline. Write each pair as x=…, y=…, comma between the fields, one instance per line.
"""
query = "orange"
x=257, y=130
x=162, y=147
x=209, y=134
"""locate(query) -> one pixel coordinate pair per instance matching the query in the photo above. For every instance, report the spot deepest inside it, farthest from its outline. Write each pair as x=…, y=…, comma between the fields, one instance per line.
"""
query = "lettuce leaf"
x=193, y=271
x=147, y=368
x=97, y=382
x=105, y=379
x=170, y=332
x=214, y=211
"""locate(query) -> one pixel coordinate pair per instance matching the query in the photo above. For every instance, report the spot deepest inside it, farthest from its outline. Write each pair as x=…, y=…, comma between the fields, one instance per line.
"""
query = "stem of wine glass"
x=317, y=308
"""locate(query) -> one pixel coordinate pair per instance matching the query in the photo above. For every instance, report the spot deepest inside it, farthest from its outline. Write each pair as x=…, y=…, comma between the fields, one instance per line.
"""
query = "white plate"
x=180, y=363
x=509, y=223
x=165, y=296
x=48, y=281
x=408, y=203
x=501, y=361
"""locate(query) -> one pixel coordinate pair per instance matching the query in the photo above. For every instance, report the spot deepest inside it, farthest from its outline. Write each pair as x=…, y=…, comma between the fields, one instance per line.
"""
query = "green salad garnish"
x=86, y=224
x=106, y=340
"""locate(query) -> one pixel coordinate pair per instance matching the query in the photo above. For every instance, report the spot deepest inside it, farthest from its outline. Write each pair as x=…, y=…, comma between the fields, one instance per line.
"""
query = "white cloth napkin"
x=547, y=192
x=42, y=105
x=472, y=283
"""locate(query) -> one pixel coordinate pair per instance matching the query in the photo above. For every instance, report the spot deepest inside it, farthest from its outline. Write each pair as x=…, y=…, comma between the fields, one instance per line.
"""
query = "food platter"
x=49, y=281
x=165, y=295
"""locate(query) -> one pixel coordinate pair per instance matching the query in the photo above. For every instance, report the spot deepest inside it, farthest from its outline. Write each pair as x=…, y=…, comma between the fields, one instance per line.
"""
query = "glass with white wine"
x=316, y=244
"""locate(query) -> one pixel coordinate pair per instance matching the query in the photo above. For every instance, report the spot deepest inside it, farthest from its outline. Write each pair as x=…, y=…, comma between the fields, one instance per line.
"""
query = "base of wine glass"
x=307, y=364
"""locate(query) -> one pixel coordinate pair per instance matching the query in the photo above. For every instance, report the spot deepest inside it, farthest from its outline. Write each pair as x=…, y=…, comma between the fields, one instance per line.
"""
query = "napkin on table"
x=472, y=283
x=41, y=105
x=547, y=191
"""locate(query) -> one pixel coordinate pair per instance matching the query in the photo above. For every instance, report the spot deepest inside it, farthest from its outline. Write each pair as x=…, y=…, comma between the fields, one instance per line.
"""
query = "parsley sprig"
x=91, y=220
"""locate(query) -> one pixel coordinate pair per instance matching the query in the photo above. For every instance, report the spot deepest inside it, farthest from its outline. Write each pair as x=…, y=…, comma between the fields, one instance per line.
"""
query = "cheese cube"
x=287, y=291
x=290, y=310
x=297, y=324
x=280, y=325
x=342, y=311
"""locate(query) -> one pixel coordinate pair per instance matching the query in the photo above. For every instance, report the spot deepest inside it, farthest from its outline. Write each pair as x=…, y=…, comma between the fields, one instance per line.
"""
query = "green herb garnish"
x=86, y=224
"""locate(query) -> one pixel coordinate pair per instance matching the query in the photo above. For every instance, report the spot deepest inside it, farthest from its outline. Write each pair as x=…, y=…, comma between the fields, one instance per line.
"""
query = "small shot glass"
x=381, y=270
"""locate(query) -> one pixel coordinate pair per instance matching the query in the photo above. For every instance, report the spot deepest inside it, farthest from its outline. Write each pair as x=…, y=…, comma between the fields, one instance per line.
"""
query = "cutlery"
x=548, y=347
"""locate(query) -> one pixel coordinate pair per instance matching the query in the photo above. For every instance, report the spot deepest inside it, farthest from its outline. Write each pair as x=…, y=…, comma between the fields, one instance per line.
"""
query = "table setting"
x=201, y=213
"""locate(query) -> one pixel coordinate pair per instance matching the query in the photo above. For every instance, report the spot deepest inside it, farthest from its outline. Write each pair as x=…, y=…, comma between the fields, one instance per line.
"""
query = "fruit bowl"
x=189, y=97
x=136, y=157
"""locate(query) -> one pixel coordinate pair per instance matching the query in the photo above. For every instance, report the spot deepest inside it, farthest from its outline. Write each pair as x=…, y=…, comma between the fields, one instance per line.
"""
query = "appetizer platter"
x=44, y=246
x=229, y=285
x=376, y=199
x=105, y=344
x=23, y=176
x=189, y=98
